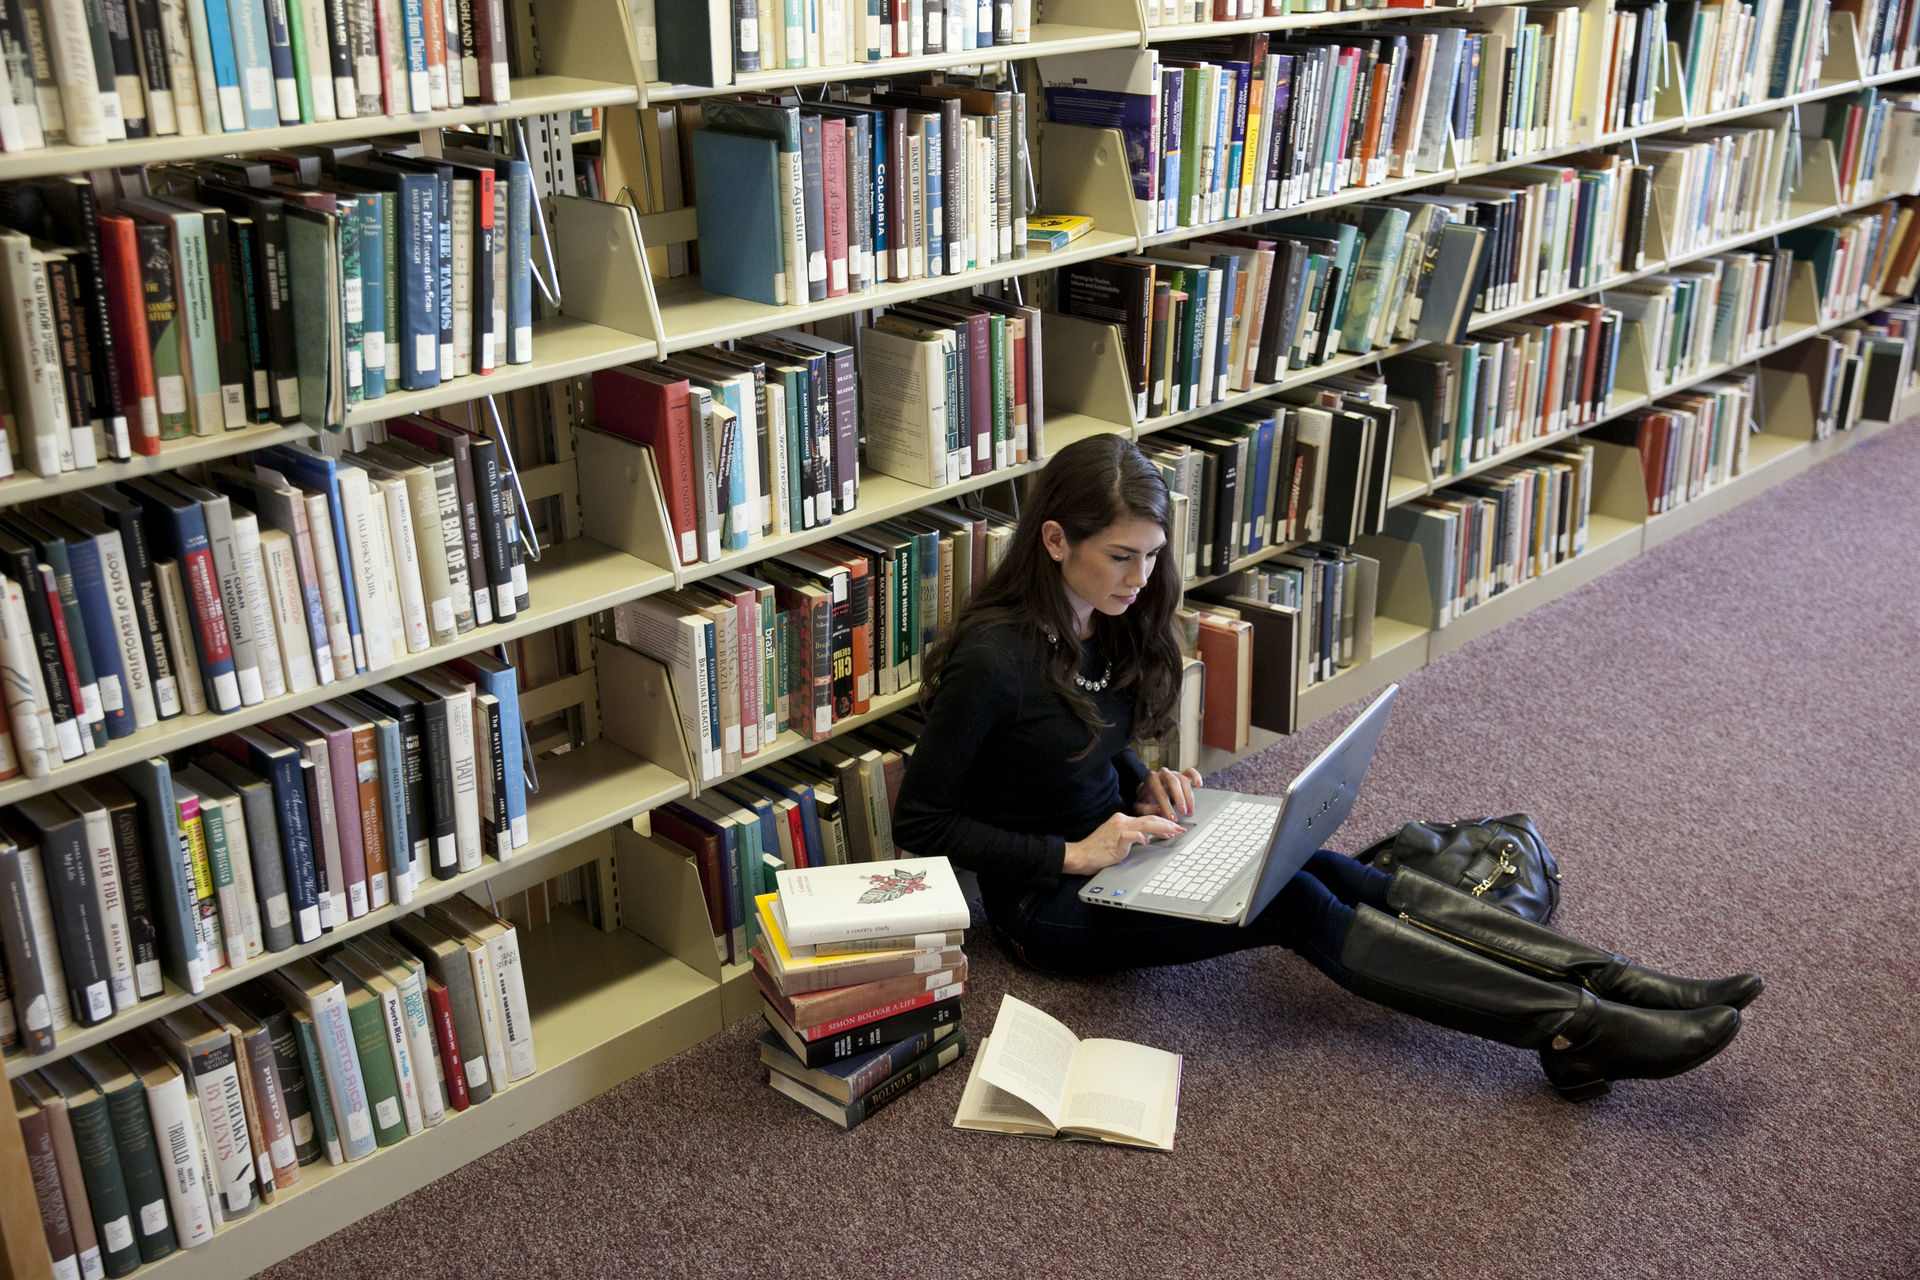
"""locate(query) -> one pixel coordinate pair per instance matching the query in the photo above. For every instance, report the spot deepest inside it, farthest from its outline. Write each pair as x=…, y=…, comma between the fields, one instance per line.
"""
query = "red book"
x=489, y=345
x=675, y=829
x=440, y=1011
x=393, y=62
x=900, y=32
x=797, y=832
x=70, y=668
x=833, y=164
x=133, y=358
x=835, y=1026
x=1226, y=648
x=860, y=596
x=490, y=48
x=1017, y=337
x=806, y=1009
x=653, y=409
x=434, y=15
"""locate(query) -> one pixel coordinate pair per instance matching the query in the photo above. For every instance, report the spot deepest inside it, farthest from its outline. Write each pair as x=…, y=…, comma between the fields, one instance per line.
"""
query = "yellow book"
x=1056, y=231
x=784, y=958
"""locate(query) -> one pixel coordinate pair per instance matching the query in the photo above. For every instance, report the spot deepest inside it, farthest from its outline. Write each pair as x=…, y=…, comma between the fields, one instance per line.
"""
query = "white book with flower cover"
x=871, y=900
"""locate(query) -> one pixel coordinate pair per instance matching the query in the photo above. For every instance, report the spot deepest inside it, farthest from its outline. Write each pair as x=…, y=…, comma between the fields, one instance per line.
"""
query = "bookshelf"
x=607, y=1005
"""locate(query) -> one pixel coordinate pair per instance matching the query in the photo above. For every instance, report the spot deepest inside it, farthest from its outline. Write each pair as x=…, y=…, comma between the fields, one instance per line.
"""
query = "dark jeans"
x=1053, y=931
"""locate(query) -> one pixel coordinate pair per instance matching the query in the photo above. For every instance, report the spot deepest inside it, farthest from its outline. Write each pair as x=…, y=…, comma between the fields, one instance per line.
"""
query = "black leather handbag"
x=1503, y=860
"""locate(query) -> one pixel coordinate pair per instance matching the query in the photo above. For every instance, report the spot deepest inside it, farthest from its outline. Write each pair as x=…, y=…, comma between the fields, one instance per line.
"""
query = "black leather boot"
x=1584, y=1042
x=1536, y=949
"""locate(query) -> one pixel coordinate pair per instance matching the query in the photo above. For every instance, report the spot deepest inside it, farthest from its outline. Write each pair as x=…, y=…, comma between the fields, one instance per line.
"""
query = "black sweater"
x=993, y=784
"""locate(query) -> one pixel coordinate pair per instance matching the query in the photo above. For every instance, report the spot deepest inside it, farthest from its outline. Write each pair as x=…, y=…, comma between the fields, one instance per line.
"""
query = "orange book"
x=434, y=18
x=1226, y=650
x=1372, y=164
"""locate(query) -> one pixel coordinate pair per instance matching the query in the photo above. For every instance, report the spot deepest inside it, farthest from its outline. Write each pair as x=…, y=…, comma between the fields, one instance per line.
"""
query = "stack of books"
x=860, y=973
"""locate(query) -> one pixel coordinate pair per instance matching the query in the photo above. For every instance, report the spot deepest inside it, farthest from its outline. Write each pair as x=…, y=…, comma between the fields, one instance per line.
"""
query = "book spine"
x=421, y=1053
x=145, y=1190
x=177, y=617
x=173, y=1131
x=313, y=1068
x=453, y=1069
x=259, y=604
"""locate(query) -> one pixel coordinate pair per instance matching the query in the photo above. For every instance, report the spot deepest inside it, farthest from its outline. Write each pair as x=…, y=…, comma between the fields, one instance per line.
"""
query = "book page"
x=1123, y=1090
x=985, y=1106
x=1030, y=1055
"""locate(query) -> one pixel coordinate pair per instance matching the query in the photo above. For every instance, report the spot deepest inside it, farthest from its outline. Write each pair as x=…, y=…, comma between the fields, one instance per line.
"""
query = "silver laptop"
x=1240, y=850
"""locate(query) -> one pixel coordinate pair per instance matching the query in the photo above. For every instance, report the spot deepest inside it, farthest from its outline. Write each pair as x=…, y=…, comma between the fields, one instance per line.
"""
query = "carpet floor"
x=1719, y=742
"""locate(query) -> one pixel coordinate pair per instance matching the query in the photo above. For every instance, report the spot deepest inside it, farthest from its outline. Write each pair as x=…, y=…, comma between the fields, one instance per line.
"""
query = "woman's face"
x=1108, y=570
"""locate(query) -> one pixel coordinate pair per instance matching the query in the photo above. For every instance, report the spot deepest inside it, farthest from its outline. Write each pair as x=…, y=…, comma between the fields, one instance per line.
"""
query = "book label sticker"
x=260, y=88
x=111, y=698
x=266, y=1167
x=153, y=1217
x=377, y=889
x=358, y=1128
x=476, y=1072
x=99, y=1001
x=303, y=1128
x=146, y=978
x=389, y=1112
x=283, y=1155
x=309, y=923
x=357, y=900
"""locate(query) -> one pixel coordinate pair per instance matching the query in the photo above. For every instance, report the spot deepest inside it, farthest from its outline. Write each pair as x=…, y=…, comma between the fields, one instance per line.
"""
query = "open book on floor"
x=1035, y=1078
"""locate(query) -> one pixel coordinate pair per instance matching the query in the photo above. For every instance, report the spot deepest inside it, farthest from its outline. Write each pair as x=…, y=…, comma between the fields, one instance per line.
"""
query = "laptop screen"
x=1319, y=800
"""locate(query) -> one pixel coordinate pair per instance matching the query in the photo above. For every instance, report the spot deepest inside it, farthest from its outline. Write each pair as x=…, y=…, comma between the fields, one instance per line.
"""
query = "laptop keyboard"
x=1203, y=868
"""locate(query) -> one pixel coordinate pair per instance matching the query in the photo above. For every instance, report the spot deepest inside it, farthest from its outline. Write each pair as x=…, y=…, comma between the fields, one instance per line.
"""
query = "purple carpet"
x=1719, y=742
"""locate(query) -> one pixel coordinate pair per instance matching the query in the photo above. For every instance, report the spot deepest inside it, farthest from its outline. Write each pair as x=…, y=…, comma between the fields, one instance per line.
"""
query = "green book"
x=319, y=1100
x=313, y=269
x=782, y=647
x=1386, y=231
x=99, y=1167
x=143, y=1190
x=1192, y=196
x=297, y=39
x=376, y=1056
x=1348, y=242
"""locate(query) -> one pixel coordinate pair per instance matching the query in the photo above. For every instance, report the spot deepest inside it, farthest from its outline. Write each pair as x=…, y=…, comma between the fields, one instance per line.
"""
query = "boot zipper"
x=1482, y=949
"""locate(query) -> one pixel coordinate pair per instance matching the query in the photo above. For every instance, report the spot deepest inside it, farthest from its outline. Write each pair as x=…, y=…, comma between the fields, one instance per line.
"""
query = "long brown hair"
x=1088, y=486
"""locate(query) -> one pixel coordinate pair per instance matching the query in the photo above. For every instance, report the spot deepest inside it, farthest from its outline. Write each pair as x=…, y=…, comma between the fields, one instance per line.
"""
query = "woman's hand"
x=1113, y=839
x=1167, y=794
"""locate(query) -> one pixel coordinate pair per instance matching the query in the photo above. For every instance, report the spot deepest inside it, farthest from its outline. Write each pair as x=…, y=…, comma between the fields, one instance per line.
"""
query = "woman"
x=1024, y=775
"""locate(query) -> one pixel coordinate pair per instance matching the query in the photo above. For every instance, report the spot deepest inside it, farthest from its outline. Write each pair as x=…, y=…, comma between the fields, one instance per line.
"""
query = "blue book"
x=419, y=80
x=801, y=794
x=101, y=638
x=1235, y=127
x=186, y=528
x=1261, y=488
x=443, y=176
x=280, y=766
x=747, y=222
x=503, y=682
x=932, y=168
x=748, y=797
x=170, y=884
x=813, y=195
x=119, y=513
x=416, y=222
x=51, y=548
x=371, y=226
x=286, y=83
x=1130, y=113
x=519, y=174
x=311, y=469
x=1223, y=322
x=253, y=56
x=226, y=71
